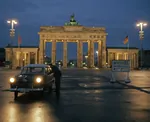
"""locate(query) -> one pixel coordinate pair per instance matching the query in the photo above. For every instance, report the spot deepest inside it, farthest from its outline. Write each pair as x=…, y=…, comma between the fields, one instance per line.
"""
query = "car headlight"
x=38, y=80
x=12, y=80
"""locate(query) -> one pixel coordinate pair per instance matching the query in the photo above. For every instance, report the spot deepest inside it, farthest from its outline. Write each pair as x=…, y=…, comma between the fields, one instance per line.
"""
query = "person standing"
x=57, y=75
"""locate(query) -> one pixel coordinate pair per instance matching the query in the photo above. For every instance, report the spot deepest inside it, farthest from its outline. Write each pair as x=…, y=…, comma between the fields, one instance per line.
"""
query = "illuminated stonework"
x=121, y=53
x=22, y=56
x=78, y=34
x=73, y=32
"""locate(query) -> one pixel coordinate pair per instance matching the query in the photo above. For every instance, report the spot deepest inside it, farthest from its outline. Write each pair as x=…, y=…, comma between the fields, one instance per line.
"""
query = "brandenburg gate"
x=73, y=32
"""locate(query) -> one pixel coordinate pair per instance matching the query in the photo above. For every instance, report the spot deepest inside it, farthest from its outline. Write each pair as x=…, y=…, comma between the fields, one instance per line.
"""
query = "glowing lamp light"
x=12, y=80
x=38, y=80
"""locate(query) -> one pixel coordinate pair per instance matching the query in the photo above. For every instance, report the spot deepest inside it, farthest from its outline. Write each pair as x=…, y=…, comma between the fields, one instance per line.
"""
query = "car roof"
x=37, y=65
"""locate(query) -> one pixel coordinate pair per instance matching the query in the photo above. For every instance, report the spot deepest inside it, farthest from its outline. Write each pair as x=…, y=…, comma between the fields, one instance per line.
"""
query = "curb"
x=133, y=87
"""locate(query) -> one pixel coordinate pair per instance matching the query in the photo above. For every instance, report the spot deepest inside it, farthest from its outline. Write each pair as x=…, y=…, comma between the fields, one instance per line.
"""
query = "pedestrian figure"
x=57, y=75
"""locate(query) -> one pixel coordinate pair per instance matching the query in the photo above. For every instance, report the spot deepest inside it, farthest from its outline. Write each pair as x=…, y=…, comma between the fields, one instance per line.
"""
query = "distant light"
x=96, y=52
x=8, y=21
x=15, y=22
x=86, y=56
x=141, y=24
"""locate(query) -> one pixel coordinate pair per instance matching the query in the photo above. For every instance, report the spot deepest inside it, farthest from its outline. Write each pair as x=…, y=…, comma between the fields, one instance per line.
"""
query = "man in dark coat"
x=57, y=75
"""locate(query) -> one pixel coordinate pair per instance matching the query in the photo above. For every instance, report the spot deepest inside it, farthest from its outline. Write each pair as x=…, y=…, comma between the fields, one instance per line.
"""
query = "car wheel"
x=15, y=95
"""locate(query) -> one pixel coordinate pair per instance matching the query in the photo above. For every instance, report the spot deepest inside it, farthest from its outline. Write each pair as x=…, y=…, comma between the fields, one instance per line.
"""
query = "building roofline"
x=22, y=47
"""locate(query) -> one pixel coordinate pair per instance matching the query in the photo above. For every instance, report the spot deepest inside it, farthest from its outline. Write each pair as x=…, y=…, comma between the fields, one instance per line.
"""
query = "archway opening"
x=72, y=54
x=48, y=52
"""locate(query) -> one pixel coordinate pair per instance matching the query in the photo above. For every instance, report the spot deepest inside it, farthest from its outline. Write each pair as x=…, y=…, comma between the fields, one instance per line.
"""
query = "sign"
x=120, y=65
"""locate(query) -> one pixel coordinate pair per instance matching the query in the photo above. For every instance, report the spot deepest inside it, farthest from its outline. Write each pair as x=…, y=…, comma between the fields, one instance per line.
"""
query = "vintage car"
x=32, y=78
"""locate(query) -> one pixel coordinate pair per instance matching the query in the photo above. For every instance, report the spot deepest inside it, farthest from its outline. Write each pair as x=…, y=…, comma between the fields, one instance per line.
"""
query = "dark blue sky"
x=118, y=16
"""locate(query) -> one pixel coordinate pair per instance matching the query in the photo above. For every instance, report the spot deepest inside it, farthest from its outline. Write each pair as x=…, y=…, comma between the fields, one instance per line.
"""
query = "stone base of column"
x=91, y=66
x=79, y=66
x=64, y=65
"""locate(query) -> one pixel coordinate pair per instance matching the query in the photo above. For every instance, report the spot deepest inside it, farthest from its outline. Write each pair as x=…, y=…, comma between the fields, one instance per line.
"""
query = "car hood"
x=27, y=76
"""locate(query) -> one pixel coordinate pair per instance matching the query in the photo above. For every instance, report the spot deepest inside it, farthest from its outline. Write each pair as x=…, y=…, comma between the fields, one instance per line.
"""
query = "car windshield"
x=32, y=70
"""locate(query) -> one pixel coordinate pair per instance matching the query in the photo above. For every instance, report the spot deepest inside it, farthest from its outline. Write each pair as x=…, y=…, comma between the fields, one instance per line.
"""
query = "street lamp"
x=141, y=36
x=12, y=34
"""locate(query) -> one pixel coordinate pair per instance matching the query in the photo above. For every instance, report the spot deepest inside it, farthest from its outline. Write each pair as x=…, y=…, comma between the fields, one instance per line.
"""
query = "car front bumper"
x=24, y=90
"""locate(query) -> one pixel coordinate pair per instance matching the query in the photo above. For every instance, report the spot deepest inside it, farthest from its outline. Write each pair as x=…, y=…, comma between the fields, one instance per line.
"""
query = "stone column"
x=109, y=58
x=79, y=54
x=53, y=55
x=28, y=58
x=35, y=57
x=137, y=60
x=116, y=56
x=21, y=58
x=25, y=59
x=41, y=52
x=44, y=49
x=132, y=60
x=6, y=55
x=104, y=53
x=65, y=54
x=19, y=55
x=17, y=58
x=100, y=54
x=9, y=56
x=14, y=60
x=90, y=54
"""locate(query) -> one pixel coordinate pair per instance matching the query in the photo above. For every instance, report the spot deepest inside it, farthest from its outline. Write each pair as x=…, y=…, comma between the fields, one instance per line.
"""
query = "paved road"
x=86, y=96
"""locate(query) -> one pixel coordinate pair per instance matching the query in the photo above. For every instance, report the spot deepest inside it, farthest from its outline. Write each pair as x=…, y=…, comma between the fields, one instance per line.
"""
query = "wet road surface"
x=86, y=96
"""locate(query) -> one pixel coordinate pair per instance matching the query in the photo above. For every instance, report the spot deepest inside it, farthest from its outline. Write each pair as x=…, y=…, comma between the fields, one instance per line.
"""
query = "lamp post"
x=96, y=58
x=141, y=37
x=12, y=34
